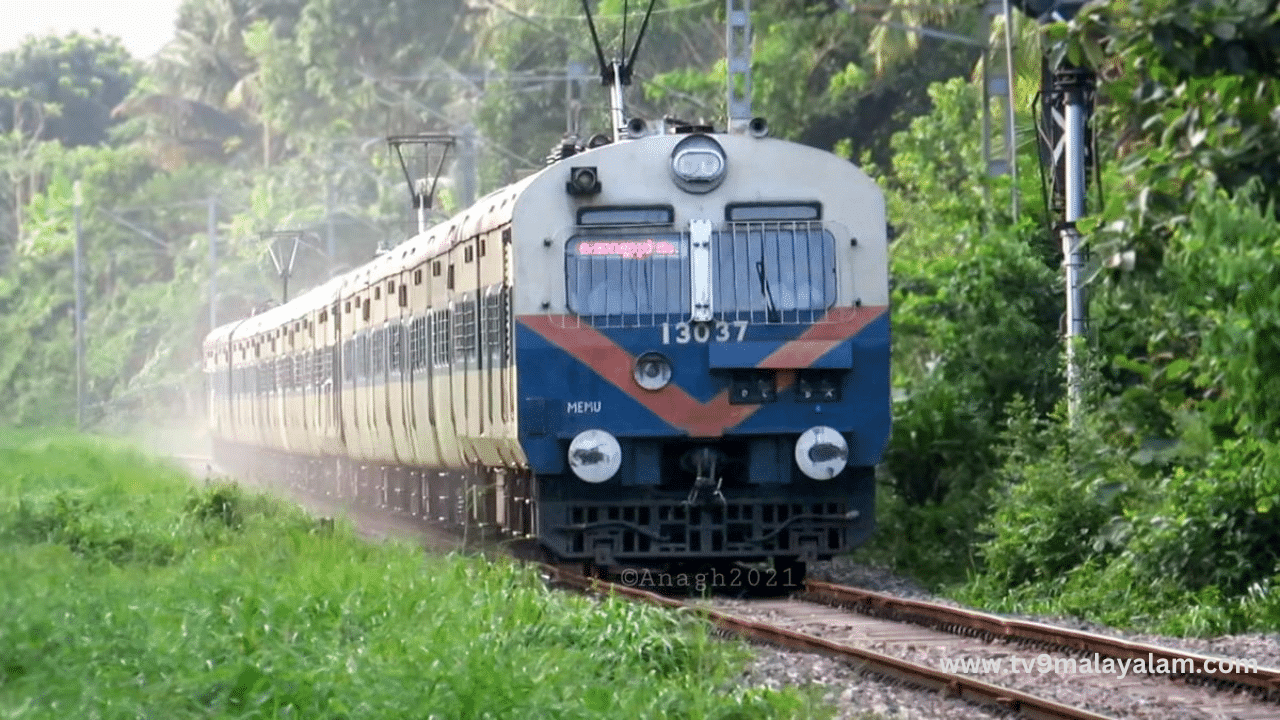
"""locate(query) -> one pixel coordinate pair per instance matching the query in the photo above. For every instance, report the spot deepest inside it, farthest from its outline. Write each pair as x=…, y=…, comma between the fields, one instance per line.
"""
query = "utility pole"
x=78, y=270
x=212, y=231
x=330, y=238
x=1071, y=86
x=467, y=167
x=997, y=90
x=1067, y=93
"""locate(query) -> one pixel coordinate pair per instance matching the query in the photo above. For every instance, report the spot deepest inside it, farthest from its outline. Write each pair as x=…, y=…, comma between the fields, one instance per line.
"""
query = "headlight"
x=698, y=164
x=821, y=452
x=652, y=371
x=595, y=456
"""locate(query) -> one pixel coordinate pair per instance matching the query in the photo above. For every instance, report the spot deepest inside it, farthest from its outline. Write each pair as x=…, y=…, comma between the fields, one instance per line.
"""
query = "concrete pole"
x=1011, y=119
x=330, y=237
x=467, y=167
x=213, y=262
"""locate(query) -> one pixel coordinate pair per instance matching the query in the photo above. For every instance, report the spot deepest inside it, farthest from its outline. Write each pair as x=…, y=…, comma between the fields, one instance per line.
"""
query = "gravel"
x=1264, y=647
x=856, y=694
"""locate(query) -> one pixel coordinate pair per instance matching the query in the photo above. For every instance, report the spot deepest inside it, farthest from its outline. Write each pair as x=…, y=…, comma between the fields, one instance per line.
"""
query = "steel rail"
x=962, y=621
x=949, y=684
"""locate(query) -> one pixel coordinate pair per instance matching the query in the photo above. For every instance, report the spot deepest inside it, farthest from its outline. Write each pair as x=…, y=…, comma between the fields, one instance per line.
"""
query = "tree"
x=63, y=88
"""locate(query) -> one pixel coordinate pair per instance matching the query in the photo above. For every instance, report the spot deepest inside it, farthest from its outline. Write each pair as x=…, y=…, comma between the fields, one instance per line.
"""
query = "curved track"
x=885, y=636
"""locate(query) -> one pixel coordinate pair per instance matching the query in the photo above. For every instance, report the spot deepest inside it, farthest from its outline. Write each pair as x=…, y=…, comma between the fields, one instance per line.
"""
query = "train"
x=665, y=350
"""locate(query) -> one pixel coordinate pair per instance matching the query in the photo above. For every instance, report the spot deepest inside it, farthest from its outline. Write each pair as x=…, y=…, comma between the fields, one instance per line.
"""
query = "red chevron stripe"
x=675, y=406
x=838, y=325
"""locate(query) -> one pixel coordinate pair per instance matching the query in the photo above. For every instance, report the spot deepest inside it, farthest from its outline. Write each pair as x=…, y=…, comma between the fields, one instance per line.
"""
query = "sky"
x=144, y=25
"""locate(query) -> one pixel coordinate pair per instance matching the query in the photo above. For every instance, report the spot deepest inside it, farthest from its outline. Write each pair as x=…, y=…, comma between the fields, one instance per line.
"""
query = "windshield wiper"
x=764, y=288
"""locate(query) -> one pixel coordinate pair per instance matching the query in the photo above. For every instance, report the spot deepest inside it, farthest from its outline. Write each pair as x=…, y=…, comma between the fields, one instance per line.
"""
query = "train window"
x=764, y=211
x=627, y=215
x=467, y=254
x=506, y=235
x=617, y=275
x=397, y=348
x=768, y=269
x=441, y=345
x=481, y=247
x=391, y=286
x=784, y=271
x=348, y=307
x=449, y=281
x=464, y=331
x=377, y=293
x=493, y=326
x=379, y=351
x=417, y=277
x=404, y=296
x=366, y=309
x=435, y=269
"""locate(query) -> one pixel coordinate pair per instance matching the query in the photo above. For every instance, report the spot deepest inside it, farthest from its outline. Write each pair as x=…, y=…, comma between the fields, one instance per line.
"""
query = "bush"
x=1062, y=492
x=1217, y=526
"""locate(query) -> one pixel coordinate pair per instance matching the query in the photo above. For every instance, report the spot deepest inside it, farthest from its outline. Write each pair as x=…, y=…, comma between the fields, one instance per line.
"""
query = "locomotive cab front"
x=702, y=349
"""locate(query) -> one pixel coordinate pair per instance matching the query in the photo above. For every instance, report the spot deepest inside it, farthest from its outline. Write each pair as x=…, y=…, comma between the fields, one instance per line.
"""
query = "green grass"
x=129, y=592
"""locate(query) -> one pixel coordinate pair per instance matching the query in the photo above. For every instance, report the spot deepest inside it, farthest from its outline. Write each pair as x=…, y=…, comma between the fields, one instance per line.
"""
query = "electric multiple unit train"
x=668, y=349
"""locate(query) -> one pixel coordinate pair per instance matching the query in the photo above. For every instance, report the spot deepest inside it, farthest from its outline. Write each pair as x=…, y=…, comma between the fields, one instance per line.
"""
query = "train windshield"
x=775, y=270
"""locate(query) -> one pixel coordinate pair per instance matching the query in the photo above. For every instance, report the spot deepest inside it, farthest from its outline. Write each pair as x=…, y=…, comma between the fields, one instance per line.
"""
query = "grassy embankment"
x=129, y=592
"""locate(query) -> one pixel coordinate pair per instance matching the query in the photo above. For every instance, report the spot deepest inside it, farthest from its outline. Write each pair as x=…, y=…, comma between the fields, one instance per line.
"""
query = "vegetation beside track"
x=130, y=592
x=1158, y=508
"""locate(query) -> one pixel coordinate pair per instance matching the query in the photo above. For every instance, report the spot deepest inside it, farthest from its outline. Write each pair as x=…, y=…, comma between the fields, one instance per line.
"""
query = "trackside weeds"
x=1045, y=664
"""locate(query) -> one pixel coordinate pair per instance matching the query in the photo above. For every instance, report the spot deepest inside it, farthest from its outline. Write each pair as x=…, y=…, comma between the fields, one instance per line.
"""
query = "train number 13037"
x=720, y=331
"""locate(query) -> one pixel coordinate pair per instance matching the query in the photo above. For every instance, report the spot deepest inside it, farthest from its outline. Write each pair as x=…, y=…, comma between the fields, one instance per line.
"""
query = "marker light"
x=595, y=456
x=652, y=371
x=821, y=452
x=698, y=164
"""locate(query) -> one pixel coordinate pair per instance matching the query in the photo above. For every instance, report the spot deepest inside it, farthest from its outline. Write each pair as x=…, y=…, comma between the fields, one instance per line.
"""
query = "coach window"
x=397, y=348
x=378, y=352
x=367, y=306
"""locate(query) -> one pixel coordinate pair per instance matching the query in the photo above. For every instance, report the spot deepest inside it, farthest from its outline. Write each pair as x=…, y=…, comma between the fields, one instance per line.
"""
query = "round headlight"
x=652, y=371
x=698, y=164
x=821, y=452
x=595, y=456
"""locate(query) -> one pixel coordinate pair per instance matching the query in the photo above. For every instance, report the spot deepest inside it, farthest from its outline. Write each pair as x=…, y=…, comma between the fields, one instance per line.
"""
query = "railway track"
x=904, y=640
